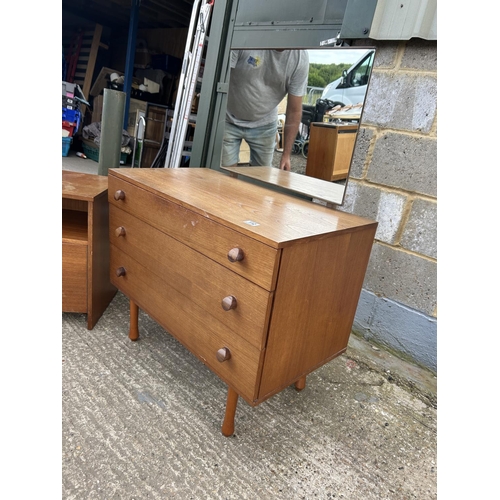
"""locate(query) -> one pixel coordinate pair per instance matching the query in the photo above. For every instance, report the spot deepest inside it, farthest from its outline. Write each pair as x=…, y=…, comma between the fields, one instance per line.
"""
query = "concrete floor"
x=77, y=164
x=142, y=420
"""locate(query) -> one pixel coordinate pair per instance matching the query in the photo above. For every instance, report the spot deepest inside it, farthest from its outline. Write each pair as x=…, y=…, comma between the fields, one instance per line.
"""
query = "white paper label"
x=251, y=223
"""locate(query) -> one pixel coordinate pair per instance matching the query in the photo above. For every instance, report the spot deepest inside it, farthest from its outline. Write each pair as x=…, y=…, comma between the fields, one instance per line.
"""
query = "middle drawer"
x=199, y=279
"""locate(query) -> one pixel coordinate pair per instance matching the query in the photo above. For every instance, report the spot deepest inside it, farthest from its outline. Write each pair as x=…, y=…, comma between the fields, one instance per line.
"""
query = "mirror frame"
x=325, y=192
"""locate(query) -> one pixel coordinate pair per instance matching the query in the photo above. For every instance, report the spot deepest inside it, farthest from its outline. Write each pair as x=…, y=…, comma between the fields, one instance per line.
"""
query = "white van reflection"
x=350, y=88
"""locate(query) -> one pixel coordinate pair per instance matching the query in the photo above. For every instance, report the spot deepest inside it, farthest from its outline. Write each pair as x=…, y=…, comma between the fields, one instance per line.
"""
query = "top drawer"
x=258, y=262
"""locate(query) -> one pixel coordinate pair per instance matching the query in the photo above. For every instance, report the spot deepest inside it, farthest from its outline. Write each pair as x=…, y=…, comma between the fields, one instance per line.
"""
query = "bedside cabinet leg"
x=134, y=321
x=301, y=383
x=232, y=401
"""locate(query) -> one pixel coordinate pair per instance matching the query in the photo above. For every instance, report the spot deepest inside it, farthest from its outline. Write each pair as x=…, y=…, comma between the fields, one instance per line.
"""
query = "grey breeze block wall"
x=393, y=180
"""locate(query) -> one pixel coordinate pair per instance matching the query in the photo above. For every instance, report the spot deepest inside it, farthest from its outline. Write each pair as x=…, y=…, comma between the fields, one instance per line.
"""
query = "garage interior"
x=105, y=40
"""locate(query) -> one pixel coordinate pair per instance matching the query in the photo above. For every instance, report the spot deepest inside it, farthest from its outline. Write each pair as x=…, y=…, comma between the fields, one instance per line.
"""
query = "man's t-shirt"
x=259, y=81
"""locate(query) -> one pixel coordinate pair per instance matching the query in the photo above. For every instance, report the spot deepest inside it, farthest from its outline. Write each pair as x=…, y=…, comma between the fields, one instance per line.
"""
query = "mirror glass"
x=310, y=99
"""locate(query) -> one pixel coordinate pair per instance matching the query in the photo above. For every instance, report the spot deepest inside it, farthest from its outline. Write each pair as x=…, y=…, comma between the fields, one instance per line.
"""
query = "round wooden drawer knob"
x=120, y=195
x=229, y=303
x=235, y=255
x=121, y=272
x=223, y=354
x=120, y=231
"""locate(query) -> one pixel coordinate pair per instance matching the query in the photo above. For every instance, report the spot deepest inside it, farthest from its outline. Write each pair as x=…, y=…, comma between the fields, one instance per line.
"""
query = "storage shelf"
x=75, y=227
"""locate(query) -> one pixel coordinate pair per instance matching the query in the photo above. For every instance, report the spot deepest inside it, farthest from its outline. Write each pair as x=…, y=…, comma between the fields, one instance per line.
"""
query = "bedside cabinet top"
x=81, y=186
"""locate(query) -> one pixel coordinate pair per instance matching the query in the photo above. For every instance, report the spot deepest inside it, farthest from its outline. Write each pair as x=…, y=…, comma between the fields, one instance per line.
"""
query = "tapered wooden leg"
x=133, y=333
x=301, y=383
x=232, y=401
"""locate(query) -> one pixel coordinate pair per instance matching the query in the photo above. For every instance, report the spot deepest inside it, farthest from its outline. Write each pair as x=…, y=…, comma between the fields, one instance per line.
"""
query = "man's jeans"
x=261, y=140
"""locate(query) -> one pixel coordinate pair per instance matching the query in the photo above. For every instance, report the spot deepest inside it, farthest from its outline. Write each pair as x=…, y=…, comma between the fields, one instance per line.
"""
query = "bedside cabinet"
x=330, y=150
x=86, y=287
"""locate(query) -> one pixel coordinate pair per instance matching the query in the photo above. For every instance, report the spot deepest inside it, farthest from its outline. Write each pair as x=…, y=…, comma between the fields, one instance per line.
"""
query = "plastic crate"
x=92, y=152
x=70, y=127
x=66, y=142
x=71, y=115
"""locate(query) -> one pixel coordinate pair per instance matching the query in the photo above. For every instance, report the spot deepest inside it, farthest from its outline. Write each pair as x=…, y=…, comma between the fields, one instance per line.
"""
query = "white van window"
x=360, y=74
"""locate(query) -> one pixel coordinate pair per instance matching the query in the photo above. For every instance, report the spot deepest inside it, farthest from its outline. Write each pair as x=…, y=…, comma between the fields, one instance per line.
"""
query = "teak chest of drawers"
x=260, y=286
x=86, y=287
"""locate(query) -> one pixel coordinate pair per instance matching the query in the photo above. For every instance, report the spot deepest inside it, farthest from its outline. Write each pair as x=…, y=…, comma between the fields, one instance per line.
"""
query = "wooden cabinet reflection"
x=331, y=147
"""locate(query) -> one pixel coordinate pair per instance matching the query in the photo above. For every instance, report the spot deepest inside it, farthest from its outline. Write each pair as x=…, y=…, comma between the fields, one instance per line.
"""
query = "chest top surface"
x=274, y=218
x=81, y=186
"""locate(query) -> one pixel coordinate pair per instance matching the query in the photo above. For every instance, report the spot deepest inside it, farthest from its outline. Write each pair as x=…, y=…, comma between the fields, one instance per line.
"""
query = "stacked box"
x=71, y=115
x=66, y=142
x=72, y=100
x=71, y=120
x=70, y=103
x=68, y=89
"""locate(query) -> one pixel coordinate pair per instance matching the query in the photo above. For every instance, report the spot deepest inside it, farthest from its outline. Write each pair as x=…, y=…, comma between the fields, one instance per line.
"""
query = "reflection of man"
x=258, y=82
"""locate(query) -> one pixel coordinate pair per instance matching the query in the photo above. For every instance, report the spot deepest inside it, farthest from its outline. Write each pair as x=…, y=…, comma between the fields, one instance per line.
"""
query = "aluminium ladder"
x=200, y=17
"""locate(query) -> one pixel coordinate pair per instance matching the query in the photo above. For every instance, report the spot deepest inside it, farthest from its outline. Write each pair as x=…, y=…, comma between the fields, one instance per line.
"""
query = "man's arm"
x=292, y=122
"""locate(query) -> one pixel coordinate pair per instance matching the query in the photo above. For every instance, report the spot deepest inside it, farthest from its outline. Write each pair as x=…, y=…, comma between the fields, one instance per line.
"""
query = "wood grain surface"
x=281, y=219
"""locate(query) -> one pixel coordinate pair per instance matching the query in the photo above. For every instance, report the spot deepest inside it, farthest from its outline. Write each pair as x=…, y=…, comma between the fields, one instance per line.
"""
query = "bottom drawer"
x=196, y=329
x=74, y=278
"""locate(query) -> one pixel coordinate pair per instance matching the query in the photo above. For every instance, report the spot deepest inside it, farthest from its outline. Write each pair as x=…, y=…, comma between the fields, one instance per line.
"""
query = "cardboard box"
x=153, y=87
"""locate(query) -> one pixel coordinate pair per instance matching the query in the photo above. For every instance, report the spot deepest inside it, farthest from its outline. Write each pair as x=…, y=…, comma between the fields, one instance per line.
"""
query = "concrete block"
x=389, y=216
x=402, y=277
x=385, y=53
x=398, y=327
x=383, y=206
x=420, y=232
x=363, y=142
x=361, y=199
x=402, y=101
x=364, y=313
x=351, y=194
x=405, y=162
x=420, y=55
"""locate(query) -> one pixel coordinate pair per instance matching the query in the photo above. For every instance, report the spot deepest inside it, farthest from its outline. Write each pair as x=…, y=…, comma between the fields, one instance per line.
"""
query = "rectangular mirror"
x=310, y=100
